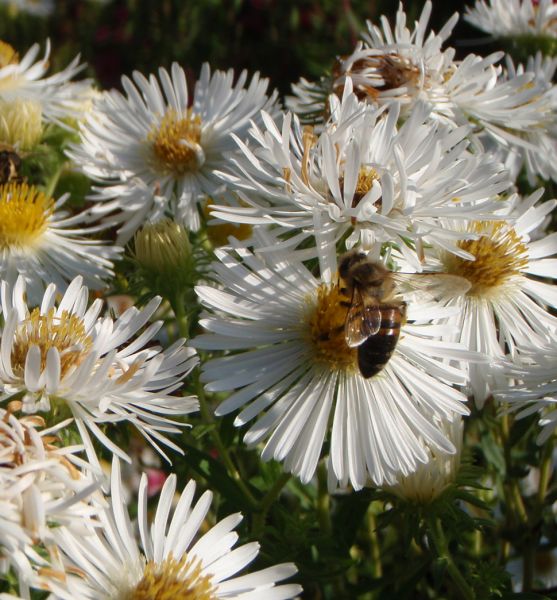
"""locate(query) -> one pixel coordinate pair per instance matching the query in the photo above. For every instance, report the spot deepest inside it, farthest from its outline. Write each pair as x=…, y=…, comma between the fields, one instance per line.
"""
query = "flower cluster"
x=343, y=286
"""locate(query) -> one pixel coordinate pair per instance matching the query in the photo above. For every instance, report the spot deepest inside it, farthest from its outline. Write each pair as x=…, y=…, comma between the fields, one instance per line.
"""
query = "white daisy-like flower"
x=391, y=65
x=25, y=79
x=41, y=484
x=512, y=18
x=529, y=136
x=169, y=563
x=65, y=353
x=506, y=305
x=43, y=243
x=363, y=177
x=291, y=369
x=515, y=108
x=156, y=150
x=431, y=479
x=400, y=65
x=532, y=386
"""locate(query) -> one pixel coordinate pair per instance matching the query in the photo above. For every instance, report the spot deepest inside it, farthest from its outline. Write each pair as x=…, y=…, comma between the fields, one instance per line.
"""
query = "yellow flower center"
x=366, y=177
x=326, y=329
x=500, y=255
x=173, y=580
x=175, y=143
x=24, y=215
x=66, y=333
x=8, y=56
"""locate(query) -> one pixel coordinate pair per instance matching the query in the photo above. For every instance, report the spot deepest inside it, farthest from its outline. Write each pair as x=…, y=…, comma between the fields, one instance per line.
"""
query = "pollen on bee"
x=328, y=309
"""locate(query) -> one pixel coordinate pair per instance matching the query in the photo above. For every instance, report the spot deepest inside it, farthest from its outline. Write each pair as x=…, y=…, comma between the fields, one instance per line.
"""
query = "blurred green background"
x=283, y=39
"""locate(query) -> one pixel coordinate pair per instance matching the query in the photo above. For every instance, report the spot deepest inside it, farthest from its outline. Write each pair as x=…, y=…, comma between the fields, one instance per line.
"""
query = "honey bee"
x=376, y=311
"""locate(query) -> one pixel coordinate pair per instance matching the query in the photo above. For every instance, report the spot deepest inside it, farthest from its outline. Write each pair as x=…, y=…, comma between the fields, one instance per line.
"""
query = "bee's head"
x=360, y=270
x=348, y=261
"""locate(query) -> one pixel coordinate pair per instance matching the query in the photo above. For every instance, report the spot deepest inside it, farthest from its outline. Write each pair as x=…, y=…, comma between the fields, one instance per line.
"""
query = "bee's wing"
x=435, y=284
x=362, y=320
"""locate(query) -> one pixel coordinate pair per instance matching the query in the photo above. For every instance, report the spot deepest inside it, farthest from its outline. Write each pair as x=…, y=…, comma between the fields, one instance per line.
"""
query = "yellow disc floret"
x=326, y=329
x=500, y=255
x=173, y=580
x=66, y=333
x=24, y=215
x=175, y=143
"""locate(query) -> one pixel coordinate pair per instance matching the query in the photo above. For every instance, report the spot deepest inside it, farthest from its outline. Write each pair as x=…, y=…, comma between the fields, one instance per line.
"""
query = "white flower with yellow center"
x=506, y=305
x=516, y=109
x=45, y=244
x=431, y=479
x=363, y=177
x=171, y=563
x=58, y=97
x=65, y=354
x=157, y=150
x=42, y=486
x=290, y=368
x=513, y=18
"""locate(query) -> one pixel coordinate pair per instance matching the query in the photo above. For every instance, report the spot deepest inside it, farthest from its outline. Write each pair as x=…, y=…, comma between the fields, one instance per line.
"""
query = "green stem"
x=179, y=307
x=374, y=543
x=53, y=181
x=274, y=492
x=512, y=489
x=437, y=535
x=260, y=515
x=546, y=469
x=528, y=557
x=323, y=500
x=208, y=418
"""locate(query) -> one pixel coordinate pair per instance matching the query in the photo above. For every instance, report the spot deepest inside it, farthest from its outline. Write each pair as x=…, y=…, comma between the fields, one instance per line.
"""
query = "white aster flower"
x=169, y=563
x=513, y=18
x=291, y=369
x=41, y=484
x=157, y=150
x=514, y=108
x=532, y=386
x=65, y=353
x=527, y=135
x=45, y=244
x=431, y=479
x=25, y=79
x=390, y=66
x=506, y=305
x=363, y=176
x=400, y=65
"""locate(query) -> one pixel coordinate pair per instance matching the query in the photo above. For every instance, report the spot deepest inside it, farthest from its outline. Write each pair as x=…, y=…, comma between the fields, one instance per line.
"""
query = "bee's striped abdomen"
x=376, y=351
